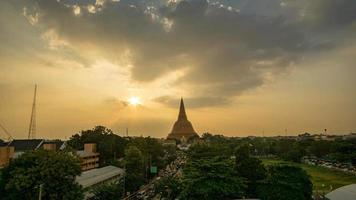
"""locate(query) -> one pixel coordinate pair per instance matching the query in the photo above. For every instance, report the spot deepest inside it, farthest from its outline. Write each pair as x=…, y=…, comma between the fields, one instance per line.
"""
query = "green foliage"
x=320, y=148
x=148, y=152
x=285, y=182
x=200, y=151
x=134, y=168
x=249, y=168
x=152, y=151
x=324, y=179
x=211, y=178
x=55, y=171
x=110, y=191
x=170, y=154
x=109, y=145
x=168, y=187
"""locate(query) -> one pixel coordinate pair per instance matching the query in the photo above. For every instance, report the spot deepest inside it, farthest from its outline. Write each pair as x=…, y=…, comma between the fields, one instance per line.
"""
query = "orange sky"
x=89, y=64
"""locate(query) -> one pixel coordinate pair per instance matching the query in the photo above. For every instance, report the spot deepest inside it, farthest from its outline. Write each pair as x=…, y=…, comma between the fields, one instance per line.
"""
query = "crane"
x=7, y=132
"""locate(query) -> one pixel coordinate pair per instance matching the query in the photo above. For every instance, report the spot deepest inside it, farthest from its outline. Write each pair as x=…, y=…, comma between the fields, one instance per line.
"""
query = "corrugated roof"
x=344, y=193
x=94, y=176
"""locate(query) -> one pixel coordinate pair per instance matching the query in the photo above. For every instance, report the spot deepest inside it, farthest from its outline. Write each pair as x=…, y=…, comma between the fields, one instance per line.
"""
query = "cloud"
x=115, y=104
x=331, y=13
x=195, y=102
x=226, y=48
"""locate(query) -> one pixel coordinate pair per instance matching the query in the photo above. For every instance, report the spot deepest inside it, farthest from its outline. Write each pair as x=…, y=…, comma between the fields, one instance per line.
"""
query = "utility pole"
x=32, y=127
x=40, y=192
x=124, y=193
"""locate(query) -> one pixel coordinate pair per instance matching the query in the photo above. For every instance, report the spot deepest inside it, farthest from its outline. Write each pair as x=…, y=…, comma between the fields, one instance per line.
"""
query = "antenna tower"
x=32, y=128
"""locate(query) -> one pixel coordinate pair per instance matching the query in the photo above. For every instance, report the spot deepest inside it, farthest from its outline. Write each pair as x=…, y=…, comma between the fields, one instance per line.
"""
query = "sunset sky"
x=243, y=67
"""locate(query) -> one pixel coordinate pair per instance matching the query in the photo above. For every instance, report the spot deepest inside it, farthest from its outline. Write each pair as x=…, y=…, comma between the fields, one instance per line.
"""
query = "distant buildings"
x=349, y=136
x=182, y=130
x=319, y=137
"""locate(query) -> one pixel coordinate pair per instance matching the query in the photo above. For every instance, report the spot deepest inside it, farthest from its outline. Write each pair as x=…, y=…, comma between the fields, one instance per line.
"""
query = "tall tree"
x=286, y=182
x=52, y=171
x=134, y=168
x=108, y=191
x=249, y=168
x=168, y=187
x=211, y=178
x=109, y=145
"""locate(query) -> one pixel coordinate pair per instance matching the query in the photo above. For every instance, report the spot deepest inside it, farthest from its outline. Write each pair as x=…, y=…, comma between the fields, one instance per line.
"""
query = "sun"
x=134, y=101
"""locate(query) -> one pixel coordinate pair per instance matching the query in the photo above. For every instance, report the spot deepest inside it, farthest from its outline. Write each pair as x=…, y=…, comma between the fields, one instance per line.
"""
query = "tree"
x=200, y=151
x=134, y=168
x=54, y=171
x=170, y=154
x=109, y=191
x=211, y=178
x=286, y=182
x=249, y=168
x=168, y=187
x=152, y=151
x=109, y=145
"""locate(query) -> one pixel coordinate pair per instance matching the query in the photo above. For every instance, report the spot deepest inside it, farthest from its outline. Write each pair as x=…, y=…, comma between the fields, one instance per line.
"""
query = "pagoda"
x=182, y=128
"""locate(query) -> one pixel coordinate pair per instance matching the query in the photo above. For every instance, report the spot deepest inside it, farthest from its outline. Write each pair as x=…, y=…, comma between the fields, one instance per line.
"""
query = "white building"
x=344, y=193
x=94, y=177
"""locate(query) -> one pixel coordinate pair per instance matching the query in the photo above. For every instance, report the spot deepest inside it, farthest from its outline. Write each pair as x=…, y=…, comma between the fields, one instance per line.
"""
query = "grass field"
x=324, y=179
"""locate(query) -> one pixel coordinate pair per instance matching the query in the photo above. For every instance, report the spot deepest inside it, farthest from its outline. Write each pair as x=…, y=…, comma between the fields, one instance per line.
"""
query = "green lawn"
x=324, y=179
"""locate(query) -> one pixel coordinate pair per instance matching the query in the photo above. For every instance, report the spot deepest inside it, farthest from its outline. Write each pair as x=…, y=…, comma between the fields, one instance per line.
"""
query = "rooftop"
x=345, y=193
x=94, y=176
x=26, y=144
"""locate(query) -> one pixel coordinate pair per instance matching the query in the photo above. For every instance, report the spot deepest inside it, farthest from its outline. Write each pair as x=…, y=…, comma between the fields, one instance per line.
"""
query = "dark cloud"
x=331, y=13
x=195, y=102
x=228, y=47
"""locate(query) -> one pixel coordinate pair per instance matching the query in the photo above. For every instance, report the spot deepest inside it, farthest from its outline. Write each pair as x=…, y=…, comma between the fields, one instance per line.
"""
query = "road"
x=171, y=170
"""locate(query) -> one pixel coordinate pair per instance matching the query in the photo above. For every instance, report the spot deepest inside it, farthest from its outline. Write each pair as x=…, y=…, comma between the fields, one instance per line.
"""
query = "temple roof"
x=182, y=128
x=182, y=115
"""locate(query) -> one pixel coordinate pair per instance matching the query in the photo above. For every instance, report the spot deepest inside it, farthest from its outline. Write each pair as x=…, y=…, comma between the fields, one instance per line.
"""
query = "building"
x=89, y=157
x=182, y=129
x=6, y=154
x=15, y=148
x=94, y=177
x=23, y=145
x=349, y=136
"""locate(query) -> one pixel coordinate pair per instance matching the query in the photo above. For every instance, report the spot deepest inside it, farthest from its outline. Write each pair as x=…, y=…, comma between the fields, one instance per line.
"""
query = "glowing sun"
x=134, y=101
